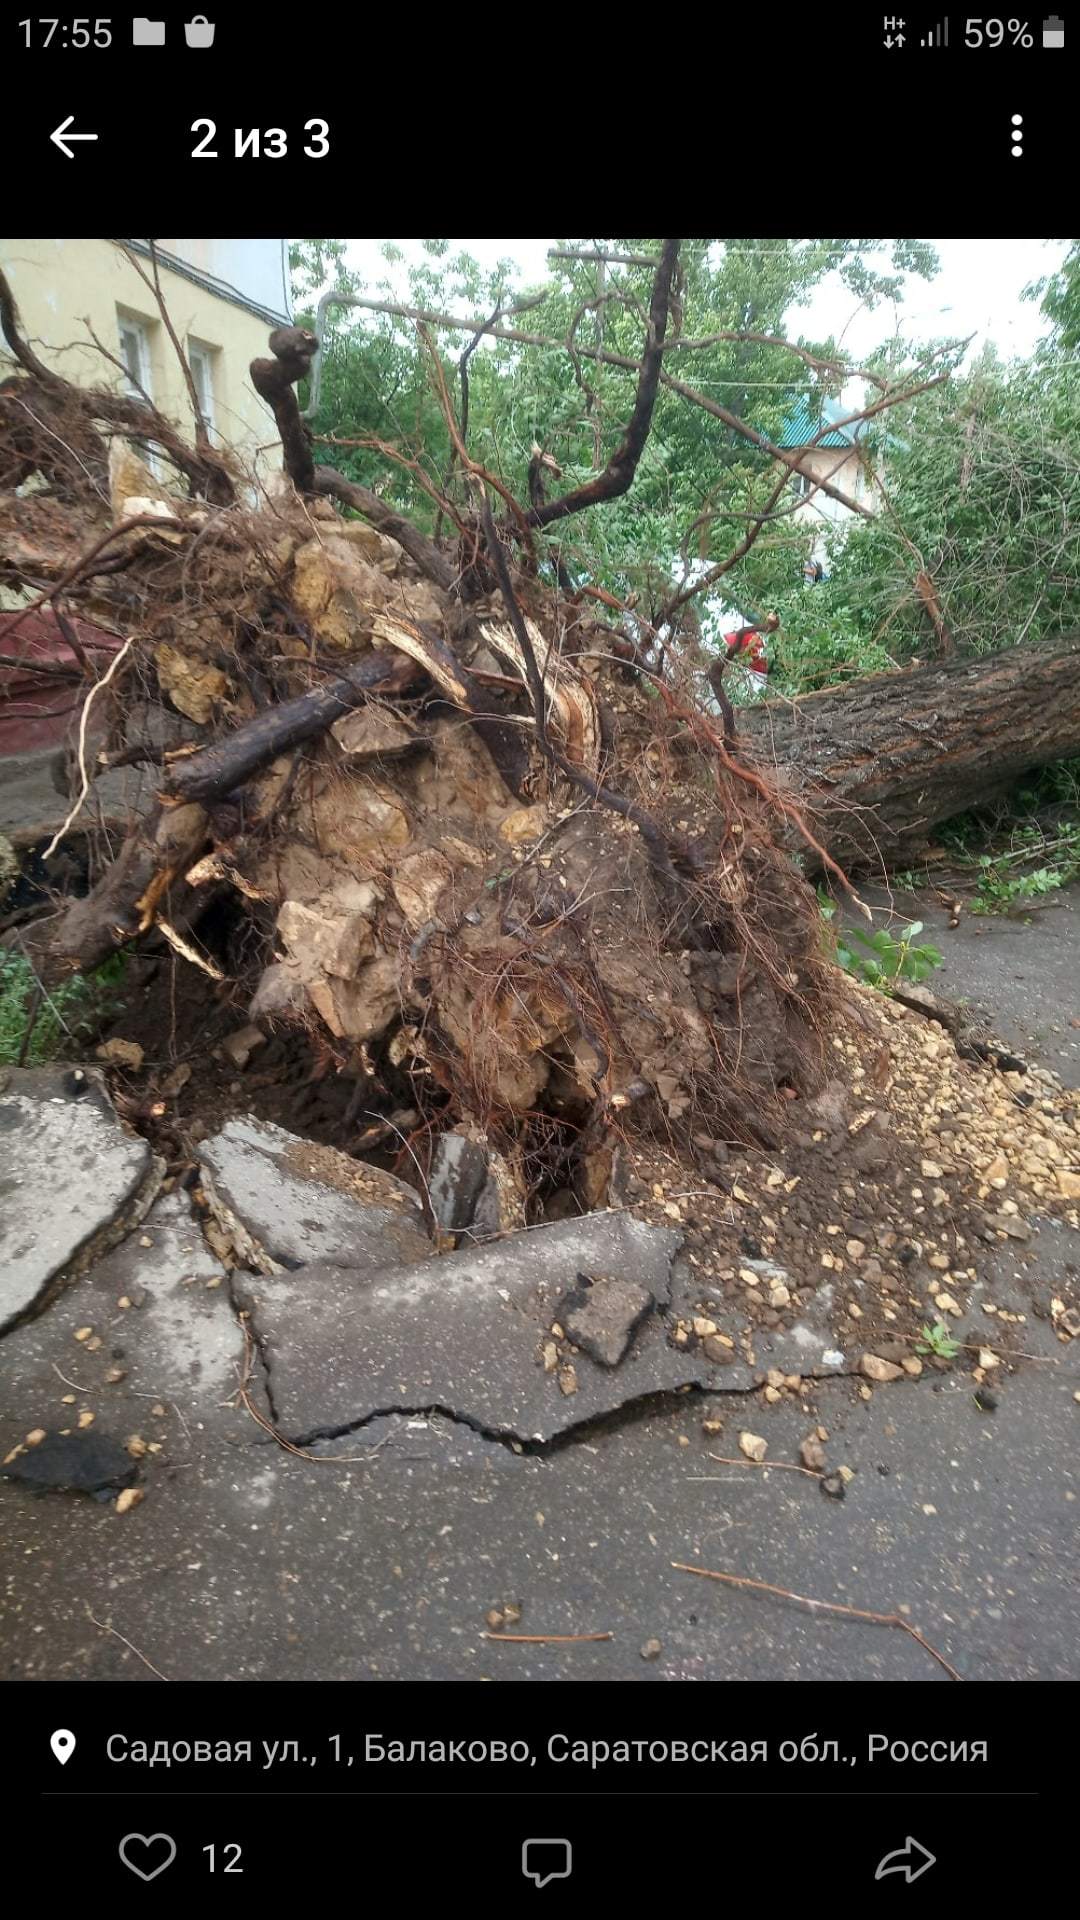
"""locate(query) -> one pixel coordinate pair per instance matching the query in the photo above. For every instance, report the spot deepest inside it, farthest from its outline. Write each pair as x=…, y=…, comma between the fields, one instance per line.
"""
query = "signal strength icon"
x=937, y=37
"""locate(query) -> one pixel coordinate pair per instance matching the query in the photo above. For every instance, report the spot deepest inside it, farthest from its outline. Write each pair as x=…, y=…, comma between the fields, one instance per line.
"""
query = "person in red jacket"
x=746, y=645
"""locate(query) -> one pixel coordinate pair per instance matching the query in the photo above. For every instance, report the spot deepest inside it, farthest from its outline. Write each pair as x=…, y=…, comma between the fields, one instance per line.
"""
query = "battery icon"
x=1054, y=31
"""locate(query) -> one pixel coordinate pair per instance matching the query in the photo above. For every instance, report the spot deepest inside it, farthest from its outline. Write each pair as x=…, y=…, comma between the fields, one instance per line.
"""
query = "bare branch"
x=472, y=467
x=604, y=259
x=202, y=437
x=618, y=476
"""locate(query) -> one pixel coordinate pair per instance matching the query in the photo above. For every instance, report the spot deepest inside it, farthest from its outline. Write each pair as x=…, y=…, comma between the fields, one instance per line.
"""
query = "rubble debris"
x=875, y=1368
x=238, y=1047
x=121, y=1053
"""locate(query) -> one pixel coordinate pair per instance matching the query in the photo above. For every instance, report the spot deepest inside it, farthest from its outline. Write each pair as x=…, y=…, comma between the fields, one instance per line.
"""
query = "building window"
x=201, y=361
x=801, y=484
x=134, y=338
x=135, y=354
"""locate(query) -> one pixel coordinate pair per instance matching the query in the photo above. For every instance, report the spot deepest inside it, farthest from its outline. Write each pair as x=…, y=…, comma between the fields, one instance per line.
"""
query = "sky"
x=977, y=291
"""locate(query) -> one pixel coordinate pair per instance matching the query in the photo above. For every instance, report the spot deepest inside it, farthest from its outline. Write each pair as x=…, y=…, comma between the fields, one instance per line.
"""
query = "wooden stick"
x=786, y=1466
x=547, y=1639
x=830, y=1606
x=105, y=1628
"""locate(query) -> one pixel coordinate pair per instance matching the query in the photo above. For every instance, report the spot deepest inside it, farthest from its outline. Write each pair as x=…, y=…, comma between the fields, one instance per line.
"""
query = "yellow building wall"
x=61, y=285
x=843, y=468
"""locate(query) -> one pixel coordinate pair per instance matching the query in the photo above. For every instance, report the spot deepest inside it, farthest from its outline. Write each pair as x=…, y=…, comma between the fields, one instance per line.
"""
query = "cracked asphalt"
x=381, y=1558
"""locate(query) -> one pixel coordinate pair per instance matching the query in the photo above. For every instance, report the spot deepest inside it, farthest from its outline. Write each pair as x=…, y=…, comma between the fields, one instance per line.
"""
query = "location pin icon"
x=63, y=1745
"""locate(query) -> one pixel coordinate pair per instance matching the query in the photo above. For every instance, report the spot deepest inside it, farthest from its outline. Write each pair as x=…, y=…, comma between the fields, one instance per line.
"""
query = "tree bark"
x=879, y=765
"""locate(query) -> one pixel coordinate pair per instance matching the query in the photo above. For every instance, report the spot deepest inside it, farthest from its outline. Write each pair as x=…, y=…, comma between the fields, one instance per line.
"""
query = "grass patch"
x=60, y=1021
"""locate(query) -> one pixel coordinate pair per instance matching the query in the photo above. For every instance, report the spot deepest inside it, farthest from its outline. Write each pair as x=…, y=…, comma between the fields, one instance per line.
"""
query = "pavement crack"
x=634, y=1411
x=244, y=1313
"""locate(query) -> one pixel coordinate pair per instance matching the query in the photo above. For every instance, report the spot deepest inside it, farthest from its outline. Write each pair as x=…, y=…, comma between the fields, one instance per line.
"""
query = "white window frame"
x=136, y=331
x=139, y=332
x=201, y=357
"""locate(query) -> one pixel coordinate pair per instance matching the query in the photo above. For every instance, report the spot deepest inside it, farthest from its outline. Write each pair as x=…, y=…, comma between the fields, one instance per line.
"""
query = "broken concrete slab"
x=286, y=1202
x=603, y=1313
x=72, y=1463
x=471, y=1188
x=180, y=1336
x=459, y=1171
x=72, y=1181
x=148, y=1396
x=159, y=1325
x=480, y=1333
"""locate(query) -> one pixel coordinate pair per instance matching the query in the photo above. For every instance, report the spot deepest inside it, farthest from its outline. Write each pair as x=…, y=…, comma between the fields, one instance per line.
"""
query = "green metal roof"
x=807, y=418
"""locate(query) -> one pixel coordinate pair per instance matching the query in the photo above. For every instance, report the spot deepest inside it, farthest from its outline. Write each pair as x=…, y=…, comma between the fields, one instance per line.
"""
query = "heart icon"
x=146, y=1846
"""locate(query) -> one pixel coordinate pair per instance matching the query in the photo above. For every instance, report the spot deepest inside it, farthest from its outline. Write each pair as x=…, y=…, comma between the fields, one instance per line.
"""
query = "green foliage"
x=983, y=474
x=1001, y=886
x=939, y=1341
x=65, y=1017
x=1060, y=299
x=880, y=959
x=822, y=643
x=696, y=476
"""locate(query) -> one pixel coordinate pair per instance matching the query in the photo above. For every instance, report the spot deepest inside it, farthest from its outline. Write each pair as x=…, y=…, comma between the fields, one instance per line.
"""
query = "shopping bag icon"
x=148, y=33
x=200, y=31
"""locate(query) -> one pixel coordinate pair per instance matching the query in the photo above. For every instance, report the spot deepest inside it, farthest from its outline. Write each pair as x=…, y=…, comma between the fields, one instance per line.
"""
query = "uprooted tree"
x=490, y=847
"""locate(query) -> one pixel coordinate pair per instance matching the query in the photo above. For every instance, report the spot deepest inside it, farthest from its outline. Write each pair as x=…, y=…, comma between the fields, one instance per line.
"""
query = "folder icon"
x=147, y=33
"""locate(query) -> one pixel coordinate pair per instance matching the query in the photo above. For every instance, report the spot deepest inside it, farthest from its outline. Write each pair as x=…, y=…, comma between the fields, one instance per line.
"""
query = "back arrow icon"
x=901, y=1861
x=62, y=135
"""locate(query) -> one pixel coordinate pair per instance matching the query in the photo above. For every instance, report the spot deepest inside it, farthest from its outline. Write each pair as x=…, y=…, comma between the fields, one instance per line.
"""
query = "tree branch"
x=218, y=769
x=293, y=349
x=455, y=324
x=618, y=476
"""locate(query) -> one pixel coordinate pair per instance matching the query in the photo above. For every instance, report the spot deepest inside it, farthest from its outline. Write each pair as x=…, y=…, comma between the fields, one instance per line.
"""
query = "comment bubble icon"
x=544, y=1860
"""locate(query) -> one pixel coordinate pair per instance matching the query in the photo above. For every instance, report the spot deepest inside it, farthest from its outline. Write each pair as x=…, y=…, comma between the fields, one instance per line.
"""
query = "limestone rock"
x=875, y=1368
x=323, y=942
x=195, y=688
x=419, y=882
x=373, y=733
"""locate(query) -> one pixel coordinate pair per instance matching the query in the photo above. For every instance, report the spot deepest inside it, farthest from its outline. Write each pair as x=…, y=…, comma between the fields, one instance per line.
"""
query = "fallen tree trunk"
x=879, y=765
